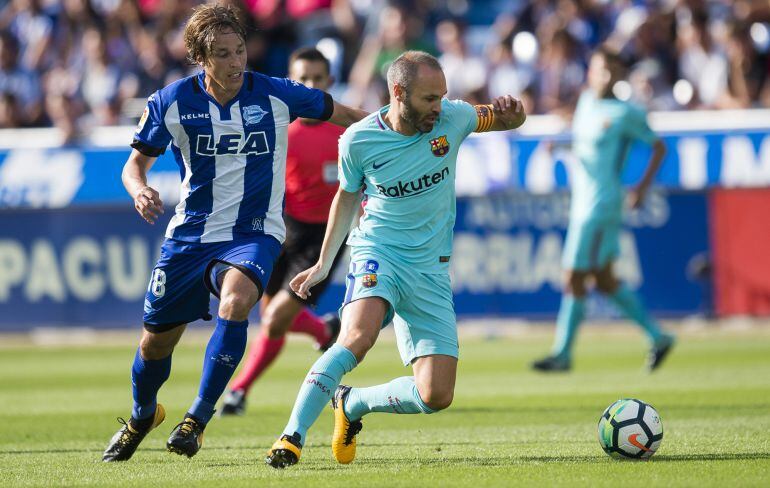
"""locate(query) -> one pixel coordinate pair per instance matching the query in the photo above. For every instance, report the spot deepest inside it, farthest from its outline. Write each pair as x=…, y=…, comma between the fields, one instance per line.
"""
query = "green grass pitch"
x=508, y=426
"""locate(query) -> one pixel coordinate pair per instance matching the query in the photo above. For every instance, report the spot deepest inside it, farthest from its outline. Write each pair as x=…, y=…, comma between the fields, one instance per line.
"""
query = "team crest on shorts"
x=253, y=114
x=369, y=280
x=439, y=146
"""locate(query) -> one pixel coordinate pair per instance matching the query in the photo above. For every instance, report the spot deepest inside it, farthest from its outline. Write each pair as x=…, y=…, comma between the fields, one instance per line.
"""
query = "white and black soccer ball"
x=630, y=429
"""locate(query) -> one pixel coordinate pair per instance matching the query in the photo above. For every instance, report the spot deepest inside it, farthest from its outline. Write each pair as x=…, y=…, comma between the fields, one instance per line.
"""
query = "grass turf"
x=507, y=426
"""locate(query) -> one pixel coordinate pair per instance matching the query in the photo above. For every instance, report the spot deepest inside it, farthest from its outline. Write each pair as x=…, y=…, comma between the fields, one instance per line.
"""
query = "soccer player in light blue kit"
x=404, y=158
x=228, y=132
x=603, y=130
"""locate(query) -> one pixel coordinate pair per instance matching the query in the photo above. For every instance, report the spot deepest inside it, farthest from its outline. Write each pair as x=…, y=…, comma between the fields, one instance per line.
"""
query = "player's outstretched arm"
x=637, y=194
x=504, y=113
x=344, y=208
x=146, y=200
x=344, y=116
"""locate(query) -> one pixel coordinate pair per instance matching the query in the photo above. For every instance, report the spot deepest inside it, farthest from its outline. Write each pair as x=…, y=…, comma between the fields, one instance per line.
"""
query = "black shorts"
x=300, y=251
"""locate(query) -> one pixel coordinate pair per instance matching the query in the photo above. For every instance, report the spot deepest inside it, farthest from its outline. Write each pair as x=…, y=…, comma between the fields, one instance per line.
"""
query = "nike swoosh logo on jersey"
x=378, y=166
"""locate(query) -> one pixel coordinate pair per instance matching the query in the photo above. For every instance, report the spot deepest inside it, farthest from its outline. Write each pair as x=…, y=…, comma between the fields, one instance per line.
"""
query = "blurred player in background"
x=404, y=157
x=228, y=132
x=311, y=183
x=603, y=129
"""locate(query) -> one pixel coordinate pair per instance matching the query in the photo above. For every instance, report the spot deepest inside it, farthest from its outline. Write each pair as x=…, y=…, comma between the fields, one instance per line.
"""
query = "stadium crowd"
x=77, y=64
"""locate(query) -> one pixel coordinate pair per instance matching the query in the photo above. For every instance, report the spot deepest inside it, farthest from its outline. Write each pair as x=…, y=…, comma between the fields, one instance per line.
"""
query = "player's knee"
x=437, y=399
x=574, y=284
x=358, y=343
x=235, y=306
x=274, y=324
x=152, y=348
x=606, y=283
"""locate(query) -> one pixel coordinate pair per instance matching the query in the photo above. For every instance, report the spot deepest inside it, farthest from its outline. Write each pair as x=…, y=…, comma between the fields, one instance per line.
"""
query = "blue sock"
x=571, y=313
x=398, y=396
x=223, y=353
x=318, y=388
x=147, y=376
x=630, y=304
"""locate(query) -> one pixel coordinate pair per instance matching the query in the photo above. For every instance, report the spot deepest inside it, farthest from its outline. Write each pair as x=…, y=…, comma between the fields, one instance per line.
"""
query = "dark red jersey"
x=311, y=170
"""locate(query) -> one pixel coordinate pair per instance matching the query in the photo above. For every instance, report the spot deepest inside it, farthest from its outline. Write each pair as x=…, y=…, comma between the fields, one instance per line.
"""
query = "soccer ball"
x=630, y=429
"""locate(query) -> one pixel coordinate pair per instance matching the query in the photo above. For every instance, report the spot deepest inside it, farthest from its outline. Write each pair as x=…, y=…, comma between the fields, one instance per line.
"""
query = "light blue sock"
x=398, y=396
x=571, y=313
x=632, y=306
x=318, y=388
x=223, y=353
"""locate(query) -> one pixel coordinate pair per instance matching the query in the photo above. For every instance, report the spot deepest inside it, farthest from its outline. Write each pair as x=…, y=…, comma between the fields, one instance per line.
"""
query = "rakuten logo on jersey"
x=232, y=143
x=414, y=187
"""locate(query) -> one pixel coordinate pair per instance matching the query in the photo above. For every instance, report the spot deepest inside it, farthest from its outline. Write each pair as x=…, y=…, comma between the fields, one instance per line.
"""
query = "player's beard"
x=411, y=116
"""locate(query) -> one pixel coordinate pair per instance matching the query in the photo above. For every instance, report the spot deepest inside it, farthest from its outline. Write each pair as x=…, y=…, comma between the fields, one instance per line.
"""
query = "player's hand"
x=509, y=111
x=635, y=197
x=304, y=281
x=148, y=203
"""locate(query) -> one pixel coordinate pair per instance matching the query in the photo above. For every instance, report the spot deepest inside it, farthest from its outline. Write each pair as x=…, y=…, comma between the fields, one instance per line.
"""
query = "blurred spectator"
x=10, y=112
x=32, y=27
x=561, y=74
x=747, y=71
x=701, y=61
x=509, y=74
x=398, y=32
x=21, y=84
x=466, y=75
x=101, y=79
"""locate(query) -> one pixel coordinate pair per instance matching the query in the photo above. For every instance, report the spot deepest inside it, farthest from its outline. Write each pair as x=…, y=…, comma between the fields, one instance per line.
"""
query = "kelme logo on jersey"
x=439, y=146
x=413, y=187
x=253, y=114
x=255, y=143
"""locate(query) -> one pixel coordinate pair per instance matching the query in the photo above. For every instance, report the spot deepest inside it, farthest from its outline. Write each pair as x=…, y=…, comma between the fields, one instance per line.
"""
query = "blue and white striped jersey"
x=232, y=158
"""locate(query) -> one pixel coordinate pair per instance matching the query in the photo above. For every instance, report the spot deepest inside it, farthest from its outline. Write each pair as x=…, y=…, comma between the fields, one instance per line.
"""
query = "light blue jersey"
x=409, y=185
x=401, y=248
x=603, y=131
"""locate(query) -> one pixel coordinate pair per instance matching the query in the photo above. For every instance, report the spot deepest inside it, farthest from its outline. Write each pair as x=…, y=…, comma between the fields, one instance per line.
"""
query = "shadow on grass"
x=95, y=452
x=551, y=409
x=585, y=459
x=741, y=456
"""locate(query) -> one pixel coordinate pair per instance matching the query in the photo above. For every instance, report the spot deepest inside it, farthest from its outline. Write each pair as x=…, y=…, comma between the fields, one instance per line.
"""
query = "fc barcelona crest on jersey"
x=369, y=280
x=253, y=114
x=439, y=146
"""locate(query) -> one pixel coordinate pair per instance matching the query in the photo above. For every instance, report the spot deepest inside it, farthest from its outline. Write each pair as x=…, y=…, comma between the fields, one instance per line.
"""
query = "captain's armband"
x=485, y=117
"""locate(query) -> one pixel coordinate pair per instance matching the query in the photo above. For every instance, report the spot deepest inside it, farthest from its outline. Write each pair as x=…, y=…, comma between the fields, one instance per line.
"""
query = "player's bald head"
x=405, y=70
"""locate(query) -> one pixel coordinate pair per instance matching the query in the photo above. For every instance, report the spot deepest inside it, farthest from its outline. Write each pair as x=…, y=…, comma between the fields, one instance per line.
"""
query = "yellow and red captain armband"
x=485, y=117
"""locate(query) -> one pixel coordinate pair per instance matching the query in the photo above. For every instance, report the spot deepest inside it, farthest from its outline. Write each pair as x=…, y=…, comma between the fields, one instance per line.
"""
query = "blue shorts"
x=591, y=244
x=187, y=272
x=421, y=304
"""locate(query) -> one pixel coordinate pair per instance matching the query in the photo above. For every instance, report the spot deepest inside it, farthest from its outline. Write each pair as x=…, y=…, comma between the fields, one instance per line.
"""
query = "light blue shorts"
x=591, y=244
x=421, y=305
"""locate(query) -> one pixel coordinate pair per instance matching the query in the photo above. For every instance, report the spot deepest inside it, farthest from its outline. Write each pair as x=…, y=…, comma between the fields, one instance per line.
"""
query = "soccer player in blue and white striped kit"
x=228, y=133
